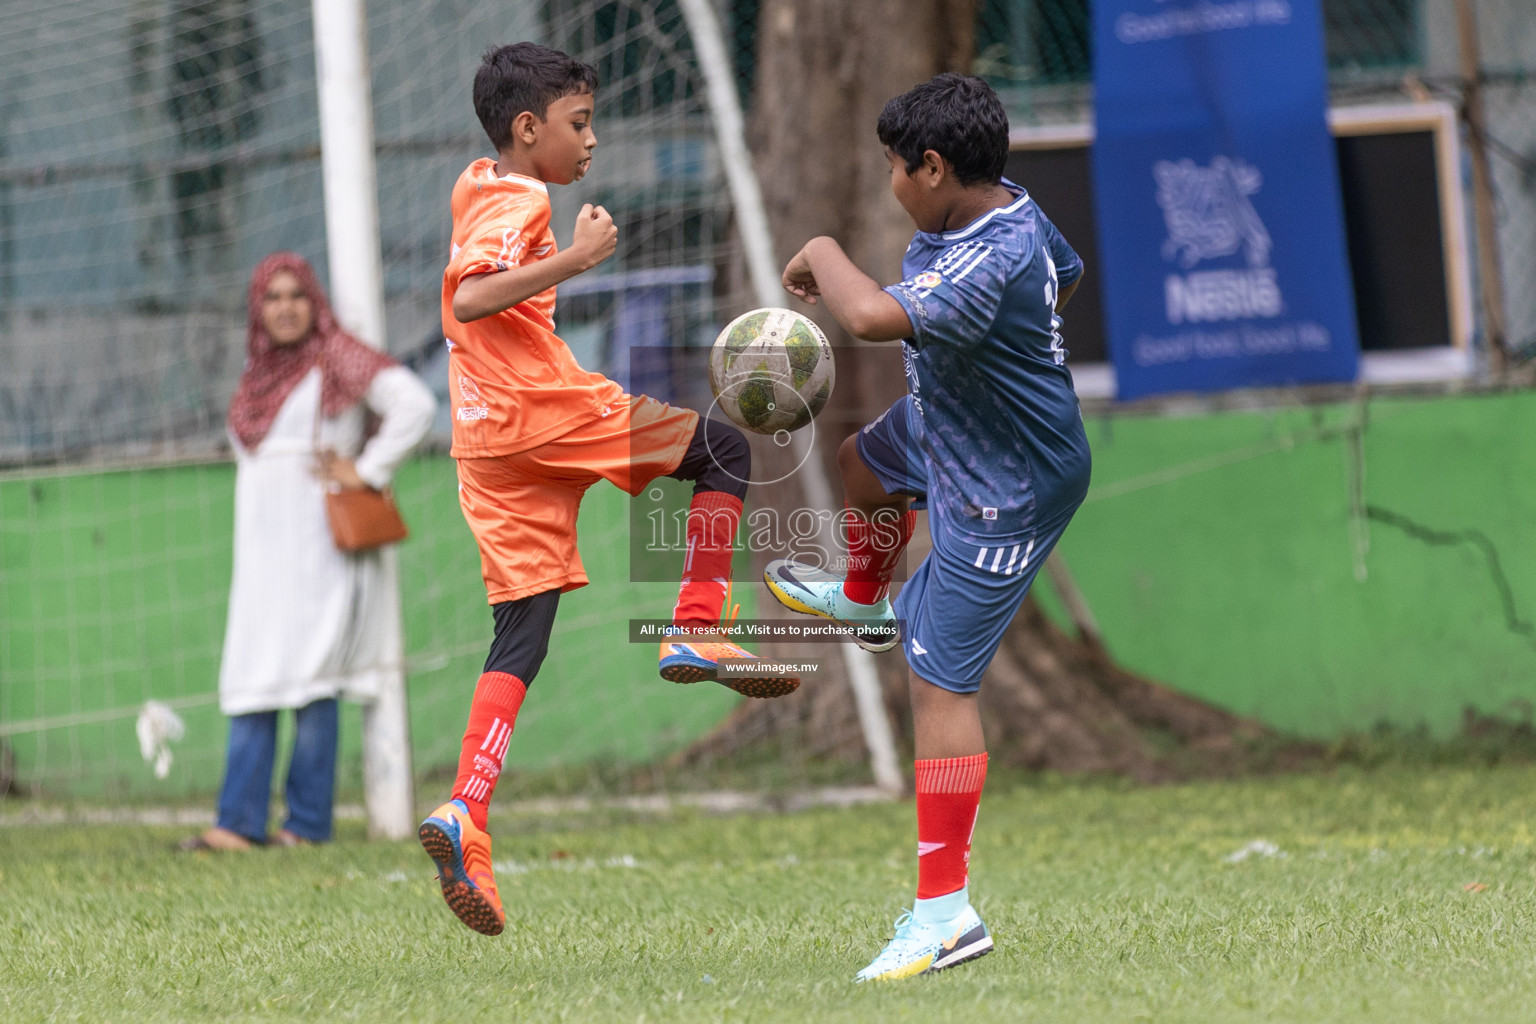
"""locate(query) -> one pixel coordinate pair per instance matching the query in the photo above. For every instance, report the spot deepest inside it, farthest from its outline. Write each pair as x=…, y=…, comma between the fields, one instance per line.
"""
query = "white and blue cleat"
x=811, y=591
x=922, y=948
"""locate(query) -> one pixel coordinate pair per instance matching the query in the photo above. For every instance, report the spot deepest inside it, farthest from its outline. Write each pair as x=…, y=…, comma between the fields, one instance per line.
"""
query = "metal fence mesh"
x=1038, y=54
x=151, y=151
x=1507, y=32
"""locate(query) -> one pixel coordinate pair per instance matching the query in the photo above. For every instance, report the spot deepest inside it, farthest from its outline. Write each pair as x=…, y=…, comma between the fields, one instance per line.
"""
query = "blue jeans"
x=247, y=792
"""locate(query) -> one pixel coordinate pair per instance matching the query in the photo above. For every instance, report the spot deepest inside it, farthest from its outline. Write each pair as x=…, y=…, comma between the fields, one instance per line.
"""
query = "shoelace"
x=477, y=865
x=729, y=618
x=905, y=925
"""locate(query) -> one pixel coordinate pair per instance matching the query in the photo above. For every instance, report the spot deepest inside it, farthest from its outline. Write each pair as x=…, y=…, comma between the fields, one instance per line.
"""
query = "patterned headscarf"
x=272, y=371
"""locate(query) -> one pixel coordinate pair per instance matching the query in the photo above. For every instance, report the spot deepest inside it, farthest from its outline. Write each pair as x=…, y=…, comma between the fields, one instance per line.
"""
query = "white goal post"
x=354, y=253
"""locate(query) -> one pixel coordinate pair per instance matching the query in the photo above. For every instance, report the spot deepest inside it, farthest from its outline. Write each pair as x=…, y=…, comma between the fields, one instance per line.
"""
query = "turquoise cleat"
x=925, y=948
x=812, y=591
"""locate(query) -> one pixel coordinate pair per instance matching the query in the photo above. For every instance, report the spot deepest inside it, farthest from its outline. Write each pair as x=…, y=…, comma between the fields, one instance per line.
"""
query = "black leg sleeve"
x=522, y=635
x=718, y=459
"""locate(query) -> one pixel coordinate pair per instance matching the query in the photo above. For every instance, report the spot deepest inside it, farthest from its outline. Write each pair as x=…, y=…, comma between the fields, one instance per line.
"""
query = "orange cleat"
x=462, y=853
x=696, y=661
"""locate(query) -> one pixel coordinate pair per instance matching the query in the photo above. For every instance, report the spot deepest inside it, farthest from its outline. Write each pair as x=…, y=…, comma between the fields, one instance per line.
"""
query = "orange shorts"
x=522, y=507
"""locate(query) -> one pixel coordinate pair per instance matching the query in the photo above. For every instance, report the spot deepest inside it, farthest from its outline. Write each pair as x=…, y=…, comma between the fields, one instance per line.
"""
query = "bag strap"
x=314, y=436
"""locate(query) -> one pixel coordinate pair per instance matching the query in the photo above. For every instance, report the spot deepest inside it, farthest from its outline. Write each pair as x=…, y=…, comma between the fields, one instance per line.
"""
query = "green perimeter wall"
x=114, y=589
x=1216, y=554
x=1215, y=550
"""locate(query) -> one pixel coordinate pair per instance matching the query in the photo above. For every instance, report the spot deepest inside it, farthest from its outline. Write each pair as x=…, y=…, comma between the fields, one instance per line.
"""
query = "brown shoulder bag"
x=361, y=519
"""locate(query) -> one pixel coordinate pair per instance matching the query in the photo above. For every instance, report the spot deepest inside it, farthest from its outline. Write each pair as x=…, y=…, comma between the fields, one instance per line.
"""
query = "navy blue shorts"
x=957, y=604
x=885, y=445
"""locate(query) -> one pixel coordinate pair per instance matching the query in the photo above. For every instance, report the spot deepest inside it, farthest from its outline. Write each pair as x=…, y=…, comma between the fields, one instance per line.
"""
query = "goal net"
x=152, y=152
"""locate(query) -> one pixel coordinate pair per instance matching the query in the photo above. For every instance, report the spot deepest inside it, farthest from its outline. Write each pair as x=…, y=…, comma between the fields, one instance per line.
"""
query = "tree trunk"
x=7, y=770
x=1051, y=700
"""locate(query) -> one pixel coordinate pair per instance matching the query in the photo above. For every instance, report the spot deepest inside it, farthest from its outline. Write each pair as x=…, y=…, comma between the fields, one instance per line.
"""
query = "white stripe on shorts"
x=1014, y=562
x=1013, y=556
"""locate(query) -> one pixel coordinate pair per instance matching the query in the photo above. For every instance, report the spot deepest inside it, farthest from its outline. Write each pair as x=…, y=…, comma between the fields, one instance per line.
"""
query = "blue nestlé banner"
x=1217, y=196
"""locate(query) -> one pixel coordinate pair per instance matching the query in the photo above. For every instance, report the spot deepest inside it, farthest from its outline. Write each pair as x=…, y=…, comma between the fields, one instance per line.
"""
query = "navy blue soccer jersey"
x=997, y=419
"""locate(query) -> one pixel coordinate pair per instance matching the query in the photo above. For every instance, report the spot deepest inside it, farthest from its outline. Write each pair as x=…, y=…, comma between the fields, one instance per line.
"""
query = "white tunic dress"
x=305, y=620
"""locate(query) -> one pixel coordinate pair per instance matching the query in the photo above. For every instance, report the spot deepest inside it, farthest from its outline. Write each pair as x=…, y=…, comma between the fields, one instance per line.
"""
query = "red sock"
x=712, y=520
x=948, y=796
x=874, y=549
x=492, y=714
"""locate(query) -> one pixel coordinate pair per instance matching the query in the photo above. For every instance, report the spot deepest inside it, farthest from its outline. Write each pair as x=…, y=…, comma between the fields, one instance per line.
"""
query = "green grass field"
x=1395, y=895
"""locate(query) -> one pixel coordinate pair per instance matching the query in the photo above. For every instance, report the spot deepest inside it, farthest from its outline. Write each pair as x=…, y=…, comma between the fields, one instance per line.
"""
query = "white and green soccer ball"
x=771, y=370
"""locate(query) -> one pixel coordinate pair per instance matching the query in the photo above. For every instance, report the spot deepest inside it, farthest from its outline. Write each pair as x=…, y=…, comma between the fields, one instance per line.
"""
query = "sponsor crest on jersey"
x=472, y=406
x=928, y=279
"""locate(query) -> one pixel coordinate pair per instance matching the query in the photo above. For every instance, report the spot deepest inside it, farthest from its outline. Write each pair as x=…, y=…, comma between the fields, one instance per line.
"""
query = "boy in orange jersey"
x=532, y=431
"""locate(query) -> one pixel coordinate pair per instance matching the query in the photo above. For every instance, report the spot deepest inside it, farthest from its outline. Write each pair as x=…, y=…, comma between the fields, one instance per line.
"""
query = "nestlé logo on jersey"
x=472, y=406
x=1209, y=216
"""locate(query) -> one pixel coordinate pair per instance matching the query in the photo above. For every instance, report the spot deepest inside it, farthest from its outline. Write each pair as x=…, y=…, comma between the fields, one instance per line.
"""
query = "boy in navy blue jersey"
x=990, y=437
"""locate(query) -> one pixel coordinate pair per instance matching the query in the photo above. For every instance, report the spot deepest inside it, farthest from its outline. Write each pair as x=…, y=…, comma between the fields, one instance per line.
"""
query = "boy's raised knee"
x=861, y=488
x=718, y=459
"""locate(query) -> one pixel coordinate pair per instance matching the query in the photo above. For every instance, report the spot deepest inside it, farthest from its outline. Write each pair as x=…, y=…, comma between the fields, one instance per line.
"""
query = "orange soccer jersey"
x=532, y=430
x=514, y=385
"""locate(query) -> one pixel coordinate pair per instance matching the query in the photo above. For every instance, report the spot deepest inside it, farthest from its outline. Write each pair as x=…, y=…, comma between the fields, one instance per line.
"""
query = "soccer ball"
x=771, y=370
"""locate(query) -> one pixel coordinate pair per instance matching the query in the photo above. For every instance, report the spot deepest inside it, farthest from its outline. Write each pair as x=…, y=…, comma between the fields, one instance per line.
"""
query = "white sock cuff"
x=942, y=908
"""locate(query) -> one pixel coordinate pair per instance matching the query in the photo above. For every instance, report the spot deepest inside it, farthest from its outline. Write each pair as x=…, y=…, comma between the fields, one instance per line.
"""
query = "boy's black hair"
x=956, y=116
x=525, y=76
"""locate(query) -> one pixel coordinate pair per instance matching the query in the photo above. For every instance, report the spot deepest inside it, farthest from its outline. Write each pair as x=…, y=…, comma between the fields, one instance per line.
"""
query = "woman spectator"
x=308, y=624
